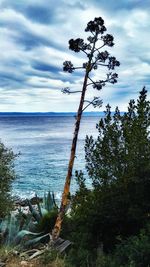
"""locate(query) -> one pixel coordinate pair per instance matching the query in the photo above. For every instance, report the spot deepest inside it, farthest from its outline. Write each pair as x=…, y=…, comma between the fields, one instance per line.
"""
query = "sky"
x=34, y=37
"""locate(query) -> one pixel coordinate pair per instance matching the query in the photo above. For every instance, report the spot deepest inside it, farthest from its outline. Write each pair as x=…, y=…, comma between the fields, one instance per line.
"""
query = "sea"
x=43, y=146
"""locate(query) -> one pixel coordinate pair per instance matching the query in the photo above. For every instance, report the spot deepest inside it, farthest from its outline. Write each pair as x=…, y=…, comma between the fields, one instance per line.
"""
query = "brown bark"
x=65, y=195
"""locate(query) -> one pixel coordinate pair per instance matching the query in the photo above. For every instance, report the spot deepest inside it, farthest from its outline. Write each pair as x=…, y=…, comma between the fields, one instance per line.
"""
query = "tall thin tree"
x=95, y=58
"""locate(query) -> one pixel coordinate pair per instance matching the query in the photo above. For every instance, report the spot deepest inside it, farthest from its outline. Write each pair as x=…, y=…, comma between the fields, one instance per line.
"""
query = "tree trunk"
x=65, y=195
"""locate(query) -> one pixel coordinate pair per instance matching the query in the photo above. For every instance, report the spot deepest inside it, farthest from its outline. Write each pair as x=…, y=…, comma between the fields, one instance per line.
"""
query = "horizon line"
x=66, y=112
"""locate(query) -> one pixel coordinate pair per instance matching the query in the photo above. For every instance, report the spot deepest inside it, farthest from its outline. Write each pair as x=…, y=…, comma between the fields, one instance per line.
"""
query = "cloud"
x=44, y=66
x=39, y=14
x=34, y=43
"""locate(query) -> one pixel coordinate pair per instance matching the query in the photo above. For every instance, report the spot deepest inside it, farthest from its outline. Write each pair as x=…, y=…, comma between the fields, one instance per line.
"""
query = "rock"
x=23, y=263
x=15, y=253
x=2, y=264
x=24, y=202
x=20, y=202
x=35, y=200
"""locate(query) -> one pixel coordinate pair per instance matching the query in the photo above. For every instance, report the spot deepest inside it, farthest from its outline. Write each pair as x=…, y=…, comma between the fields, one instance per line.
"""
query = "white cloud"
x=33, y=53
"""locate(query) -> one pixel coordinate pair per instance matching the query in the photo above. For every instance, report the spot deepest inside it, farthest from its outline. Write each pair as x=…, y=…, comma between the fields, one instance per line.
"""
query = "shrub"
x=7, y=176
x=133, y=252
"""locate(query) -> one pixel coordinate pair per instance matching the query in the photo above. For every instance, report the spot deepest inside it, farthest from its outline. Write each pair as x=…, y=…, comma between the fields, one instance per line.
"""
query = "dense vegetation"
x=7, y=175
x=118, y=205
x=108, y=224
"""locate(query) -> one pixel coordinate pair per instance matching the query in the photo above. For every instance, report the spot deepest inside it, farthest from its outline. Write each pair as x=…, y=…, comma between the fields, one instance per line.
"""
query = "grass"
x=48, y=259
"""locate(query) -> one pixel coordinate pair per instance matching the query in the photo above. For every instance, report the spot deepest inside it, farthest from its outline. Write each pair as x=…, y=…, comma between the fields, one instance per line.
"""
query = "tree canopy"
x=122, y=149
x=118, y=163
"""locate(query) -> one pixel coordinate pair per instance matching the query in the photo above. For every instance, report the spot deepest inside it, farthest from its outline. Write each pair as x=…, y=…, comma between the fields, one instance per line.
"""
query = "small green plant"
x=29, y=229
x=47, y=221
x=5, y=252
x=49, y=256
x=10, y=227
x=44, y=215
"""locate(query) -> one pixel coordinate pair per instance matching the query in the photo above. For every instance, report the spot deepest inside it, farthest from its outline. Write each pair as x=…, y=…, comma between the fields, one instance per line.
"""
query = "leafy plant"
x=44, y=216
x=29, y=229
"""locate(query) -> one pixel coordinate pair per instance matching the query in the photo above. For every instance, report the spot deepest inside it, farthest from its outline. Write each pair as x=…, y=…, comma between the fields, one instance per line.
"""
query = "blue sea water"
x=44, y=144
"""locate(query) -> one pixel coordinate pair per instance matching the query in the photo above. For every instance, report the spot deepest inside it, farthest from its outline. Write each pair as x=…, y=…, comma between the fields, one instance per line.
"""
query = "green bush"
x=7, y=176
x=48, y=256
x=133, y=252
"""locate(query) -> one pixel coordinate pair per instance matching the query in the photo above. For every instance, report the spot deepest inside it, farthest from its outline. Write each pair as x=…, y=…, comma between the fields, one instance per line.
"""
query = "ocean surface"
x=44, y=145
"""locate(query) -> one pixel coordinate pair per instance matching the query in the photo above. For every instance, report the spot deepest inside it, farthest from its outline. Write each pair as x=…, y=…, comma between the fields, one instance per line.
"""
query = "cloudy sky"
x=34, y=38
